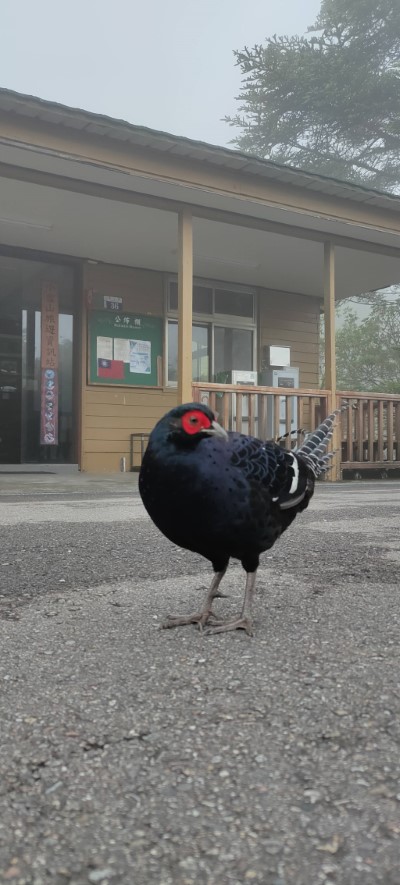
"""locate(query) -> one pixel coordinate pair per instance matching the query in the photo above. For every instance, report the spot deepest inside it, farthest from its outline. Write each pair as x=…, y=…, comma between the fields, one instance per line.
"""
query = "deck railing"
x=267, y=412
x=369, y=432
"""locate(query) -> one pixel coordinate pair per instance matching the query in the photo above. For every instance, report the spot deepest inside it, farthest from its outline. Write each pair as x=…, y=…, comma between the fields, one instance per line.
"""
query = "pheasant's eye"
x=195, y=422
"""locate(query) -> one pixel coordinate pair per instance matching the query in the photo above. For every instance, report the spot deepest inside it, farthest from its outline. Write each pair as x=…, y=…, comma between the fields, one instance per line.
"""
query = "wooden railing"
x=266, y=412
x=369, y=430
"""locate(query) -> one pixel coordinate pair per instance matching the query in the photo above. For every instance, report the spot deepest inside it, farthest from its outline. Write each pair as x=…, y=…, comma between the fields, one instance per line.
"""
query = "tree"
x=368, y=351
x=328, y=102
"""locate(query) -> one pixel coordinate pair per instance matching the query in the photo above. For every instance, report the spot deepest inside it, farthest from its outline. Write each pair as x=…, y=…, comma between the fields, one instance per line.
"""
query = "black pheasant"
x=225, y=495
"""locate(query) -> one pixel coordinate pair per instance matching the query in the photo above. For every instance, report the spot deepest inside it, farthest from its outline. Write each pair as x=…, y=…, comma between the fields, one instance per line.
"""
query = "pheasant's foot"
x=200, y=618
x=241, y=623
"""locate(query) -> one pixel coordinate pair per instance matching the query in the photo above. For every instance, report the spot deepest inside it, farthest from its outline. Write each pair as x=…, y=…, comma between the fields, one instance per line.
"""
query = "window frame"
x=211, y=320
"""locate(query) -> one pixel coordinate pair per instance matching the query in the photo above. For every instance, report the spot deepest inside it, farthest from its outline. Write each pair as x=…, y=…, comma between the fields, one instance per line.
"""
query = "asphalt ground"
x=133, y=755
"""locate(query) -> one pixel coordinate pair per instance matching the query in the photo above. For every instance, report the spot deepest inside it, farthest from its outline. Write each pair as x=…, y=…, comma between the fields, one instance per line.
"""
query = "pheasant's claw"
x=245, y=624
x=200, y=618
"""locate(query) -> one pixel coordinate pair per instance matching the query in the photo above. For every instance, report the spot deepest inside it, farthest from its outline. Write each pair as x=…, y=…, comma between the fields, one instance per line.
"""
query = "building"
x=133, y=263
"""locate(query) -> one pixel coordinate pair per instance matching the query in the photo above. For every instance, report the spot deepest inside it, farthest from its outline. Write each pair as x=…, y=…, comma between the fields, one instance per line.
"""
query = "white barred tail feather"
x=293, y=433
x=313, y=450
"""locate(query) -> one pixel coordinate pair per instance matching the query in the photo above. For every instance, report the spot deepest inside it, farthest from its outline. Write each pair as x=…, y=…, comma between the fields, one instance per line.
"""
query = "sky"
x=166, y=64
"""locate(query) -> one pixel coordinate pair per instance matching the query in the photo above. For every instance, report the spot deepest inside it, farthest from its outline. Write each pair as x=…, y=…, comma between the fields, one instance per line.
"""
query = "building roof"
x=54, y=113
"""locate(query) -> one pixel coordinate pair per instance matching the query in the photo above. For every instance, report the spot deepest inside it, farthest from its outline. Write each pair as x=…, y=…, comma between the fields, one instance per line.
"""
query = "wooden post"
x=330, y=350
x=185, y=298
x=329, y=313
x=82, y=373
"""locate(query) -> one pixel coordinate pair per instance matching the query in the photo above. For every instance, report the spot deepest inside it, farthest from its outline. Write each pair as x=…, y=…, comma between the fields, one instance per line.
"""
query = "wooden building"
x=139, y=269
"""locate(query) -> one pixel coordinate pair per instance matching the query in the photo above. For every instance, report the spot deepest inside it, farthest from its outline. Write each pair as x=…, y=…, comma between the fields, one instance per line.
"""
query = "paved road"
x=134, y=756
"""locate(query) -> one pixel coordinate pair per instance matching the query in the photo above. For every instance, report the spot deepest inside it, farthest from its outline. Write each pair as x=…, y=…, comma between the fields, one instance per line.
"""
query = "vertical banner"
x=49, y=366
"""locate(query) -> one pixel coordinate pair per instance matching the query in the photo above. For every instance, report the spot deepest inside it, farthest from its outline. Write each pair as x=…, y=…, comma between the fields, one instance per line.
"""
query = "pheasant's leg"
x=202, y=617
x=245, y=621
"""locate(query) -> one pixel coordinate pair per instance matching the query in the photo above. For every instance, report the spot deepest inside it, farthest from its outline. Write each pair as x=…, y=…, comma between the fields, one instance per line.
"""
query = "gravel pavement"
x=132, y=755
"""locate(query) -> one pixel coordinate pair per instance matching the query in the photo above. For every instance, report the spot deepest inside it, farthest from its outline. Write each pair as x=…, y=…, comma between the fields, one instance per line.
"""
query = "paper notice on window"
x=122, y=349
x=140, y=357
x=104, y=348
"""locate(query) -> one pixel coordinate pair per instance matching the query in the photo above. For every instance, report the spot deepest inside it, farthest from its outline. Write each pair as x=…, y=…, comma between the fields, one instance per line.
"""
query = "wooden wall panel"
x=111, y=414
x=109, y=424
x=292, y=321
x=142, y=291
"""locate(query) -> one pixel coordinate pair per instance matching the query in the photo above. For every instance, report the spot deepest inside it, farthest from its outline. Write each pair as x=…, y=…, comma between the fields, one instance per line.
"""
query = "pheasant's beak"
x=217, y=430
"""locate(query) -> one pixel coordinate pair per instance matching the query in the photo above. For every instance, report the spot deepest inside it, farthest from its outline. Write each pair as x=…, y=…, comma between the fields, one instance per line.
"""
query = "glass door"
x=22, y=283
x=10, y=386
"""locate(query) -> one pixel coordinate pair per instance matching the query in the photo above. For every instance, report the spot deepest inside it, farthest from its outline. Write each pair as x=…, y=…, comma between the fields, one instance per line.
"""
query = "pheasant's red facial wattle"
x=195, y=421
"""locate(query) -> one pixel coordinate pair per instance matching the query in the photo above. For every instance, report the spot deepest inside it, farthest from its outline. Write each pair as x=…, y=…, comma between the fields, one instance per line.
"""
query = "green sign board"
x=124, y=348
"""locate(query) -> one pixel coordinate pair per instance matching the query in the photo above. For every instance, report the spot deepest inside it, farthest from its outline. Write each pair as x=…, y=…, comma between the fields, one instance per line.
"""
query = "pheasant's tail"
x=313, y=450
x=290, y=433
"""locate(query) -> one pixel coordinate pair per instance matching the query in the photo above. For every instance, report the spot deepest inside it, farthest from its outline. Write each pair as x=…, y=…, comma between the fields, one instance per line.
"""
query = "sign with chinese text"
x=111, y=302
x=49, y=366
x=124, y=348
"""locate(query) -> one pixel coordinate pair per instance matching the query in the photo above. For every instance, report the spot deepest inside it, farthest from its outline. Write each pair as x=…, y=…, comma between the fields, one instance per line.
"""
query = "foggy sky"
x=166, y=64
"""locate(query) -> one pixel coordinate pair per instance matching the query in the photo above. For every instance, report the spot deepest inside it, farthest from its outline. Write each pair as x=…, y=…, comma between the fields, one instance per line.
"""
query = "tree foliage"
x=368, y=351
x=328, y=102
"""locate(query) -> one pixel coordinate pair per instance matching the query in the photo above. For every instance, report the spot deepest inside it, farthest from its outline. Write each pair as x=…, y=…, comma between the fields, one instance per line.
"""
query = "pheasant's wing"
x=268, y=465
x=288, y=476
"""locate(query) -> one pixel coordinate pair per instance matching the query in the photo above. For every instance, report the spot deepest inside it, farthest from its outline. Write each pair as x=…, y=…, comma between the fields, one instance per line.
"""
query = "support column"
x=330, y=348
x=329, y=313
x=185, y=299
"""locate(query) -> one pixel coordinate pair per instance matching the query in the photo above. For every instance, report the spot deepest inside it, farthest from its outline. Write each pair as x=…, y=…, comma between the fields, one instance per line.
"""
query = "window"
x=239, y=304
x=233, y=349
x=202, y=298
x=200, y=352
x=223, y=333
x=172, y=376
